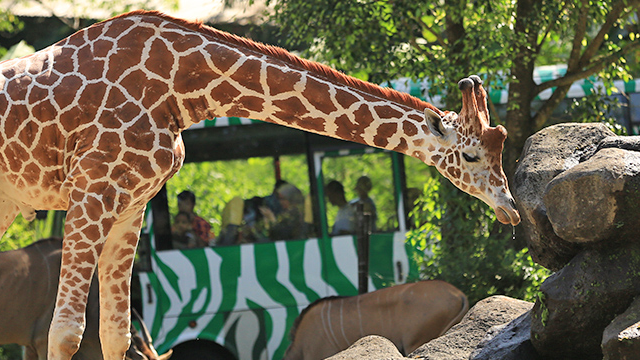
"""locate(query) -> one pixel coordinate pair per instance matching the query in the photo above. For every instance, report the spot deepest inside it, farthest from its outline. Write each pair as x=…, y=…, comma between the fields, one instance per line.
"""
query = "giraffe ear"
x=434, y=122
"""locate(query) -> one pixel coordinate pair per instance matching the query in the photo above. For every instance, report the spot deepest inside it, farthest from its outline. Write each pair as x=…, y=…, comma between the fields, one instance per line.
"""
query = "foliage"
x=597, y=106
x=10, y=352
x=383, y=40
x=478, y=255
x=8, y=24
x=22, y=233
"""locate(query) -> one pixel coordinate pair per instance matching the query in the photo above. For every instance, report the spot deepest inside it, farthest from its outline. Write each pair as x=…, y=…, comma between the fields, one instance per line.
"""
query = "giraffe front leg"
x=79, y=257
x=114, y=275
x=81, y=247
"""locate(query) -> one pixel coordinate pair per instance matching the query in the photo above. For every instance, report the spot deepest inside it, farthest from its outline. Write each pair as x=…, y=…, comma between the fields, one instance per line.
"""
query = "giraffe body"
x=92, y=125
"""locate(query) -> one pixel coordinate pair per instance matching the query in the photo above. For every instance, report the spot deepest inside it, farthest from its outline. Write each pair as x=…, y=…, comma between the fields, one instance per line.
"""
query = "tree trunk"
x=519, y=120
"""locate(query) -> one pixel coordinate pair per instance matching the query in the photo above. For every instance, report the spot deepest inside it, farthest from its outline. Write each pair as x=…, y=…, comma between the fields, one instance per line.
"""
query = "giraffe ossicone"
x=92, y=124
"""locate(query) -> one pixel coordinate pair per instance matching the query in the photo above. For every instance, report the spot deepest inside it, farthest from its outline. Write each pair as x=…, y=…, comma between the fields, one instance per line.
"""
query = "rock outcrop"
x=547, y=154
x=578, y=189
x=372, y=347
x=597, y=200
x=621, y=339
x=508, y=342
x=463, y=338
x=582, y=299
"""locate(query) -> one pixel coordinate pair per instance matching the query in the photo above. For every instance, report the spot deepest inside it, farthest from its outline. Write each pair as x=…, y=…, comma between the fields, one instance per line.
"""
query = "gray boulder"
x=621, y=339
x=621, y=142
x=546, y=154
x=598, y=199
x=461, y=340
x=508, y=342
x=372, y=347
x=578, y=302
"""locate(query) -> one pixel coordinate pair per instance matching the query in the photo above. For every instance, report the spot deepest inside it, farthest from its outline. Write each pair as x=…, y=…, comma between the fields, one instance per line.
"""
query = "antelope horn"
x=146, y=336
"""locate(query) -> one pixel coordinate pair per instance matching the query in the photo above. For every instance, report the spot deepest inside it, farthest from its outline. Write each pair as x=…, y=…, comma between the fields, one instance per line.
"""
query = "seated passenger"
x=183, y=235
x=202, y=228
x=346, y=217
x=271, y=201
x=250, y=229
x=289, y=223
x=279, y=216
x=363, y=186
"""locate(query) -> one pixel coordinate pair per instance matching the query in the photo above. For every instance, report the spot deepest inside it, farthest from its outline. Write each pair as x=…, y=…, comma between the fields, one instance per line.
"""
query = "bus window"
x=364, y=177
x=223, y=184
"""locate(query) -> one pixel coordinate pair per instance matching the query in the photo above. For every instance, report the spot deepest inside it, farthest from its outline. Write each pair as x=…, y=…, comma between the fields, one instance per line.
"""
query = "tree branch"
x=551, y=26
x=612, y=17
x=594, y=68
x=543, y=114
x=424, y=27
x=581, y=29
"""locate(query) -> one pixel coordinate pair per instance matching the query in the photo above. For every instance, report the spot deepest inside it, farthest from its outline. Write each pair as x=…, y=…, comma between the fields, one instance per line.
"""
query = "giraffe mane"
x=281, y=54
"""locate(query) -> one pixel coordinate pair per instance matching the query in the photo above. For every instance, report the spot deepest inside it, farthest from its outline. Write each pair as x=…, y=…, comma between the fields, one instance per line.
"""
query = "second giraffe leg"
x=114, y=275
x=81, y=247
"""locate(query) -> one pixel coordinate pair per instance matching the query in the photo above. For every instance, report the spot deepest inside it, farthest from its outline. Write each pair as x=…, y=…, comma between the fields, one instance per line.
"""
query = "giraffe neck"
x=305, y=100
x=224, y=75
x=181, y=73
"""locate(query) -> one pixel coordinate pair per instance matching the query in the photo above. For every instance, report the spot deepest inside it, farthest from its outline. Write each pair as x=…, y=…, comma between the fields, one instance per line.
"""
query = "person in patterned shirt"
x=202, y=228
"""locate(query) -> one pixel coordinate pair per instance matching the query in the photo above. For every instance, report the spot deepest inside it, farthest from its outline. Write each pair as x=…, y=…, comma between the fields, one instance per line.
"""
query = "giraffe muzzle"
x=508, y=214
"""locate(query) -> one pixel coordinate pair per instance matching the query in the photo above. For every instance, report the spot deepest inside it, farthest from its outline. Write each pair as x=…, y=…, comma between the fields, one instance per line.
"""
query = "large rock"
x=621, y=142
x=598, y=199
x=371, y=347
x=546, y=154
x=461, y=340
x=621, y=339
x=579, y=301
x=508, y=342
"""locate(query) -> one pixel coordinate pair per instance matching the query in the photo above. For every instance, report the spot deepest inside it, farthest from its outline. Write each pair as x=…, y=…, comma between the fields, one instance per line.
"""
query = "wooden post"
x=363, y=232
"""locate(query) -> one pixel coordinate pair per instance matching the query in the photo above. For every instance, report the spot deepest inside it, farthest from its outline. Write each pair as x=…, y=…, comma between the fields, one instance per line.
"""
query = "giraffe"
x=92, y=125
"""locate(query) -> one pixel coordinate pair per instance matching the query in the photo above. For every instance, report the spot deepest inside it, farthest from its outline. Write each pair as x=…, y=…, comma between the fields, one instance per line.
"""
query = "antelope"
x=28, y=286
x=409, y=315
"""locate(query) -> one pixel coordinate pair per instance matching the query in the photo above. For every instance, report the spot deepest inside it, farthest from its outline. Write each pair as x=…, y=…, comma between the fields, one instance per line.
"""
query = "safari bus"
x=236, y=297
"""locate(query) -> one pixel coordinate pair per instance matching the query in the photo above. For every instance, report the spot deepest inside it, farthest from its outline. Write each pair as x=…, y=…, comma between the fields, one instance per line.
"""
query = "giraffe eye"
x=470, y=158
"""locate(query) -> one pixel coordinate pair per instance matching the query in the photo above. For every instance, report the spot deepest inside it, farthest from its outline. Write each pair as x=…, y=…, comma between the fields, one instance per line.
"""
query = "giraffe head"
x=470, y=153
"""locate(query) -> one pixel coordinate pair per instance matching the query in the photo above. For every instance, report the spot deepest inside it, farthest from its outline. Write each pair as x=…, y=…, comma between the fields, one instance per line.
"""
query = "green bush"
x=468, y=248
x=11, y=352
